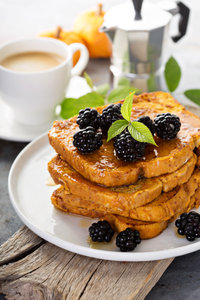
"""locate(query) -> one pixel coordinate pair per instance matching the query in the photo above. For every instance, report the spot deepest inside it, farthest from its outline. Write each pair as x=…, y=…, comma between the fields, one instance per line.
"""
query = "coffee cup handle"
x=83, y=60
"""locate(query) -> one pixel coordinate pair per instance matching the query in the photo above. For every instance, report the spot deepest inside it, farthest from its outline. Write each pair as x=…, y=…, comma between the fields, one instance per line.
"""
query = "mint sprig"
x=127, y=107
x=172, y=74
x=116, y=128
x=138, y=130
x=141, y=133
x=193, y=95
x=71, y=106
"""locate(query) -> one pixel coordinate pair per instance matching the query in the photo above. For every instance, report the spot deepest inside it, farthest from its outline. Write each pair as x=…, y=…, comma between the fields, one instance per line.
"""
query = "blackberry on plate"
x=189, y=225
x=167, y=125
x=146, y=120
x=87, y=140
x=88, y=117
x=101, y=232
x=109, y=115
x=128, y=239
x=127, y=148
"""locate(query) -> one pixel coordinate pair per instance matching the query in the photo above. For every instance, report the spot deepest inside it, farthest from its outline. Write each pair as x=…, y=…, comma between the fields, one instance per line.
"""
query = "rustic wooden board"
x=31, y=268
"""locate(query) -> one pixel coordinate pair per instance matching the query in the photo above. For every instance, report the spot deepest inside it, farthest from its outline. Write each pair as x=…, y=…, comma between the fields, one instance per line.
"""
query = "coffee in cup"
x=32, y=61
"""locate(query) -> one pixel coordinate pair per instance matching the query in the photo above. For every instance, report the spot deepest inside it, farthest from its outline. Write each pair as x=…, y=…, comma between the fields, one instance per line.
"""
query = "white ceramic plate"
x=14, y=131
x=30, y=196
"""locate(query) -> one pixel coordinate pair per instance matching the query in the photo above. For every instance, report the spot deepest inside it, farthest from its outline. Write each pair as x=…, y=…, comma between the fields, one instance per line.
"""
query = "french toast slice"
x=193, y=203
x=118, y=199
x=180, y=176
x=103, y=167
x=164, y=207
x=167, y=204
x=147, y=229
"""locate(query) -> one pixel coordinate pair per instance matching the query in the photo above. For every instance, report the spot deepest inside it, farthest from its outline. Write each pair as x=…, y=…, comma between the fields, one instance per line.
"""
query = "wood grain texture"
x=34, y=269
x=22, y=241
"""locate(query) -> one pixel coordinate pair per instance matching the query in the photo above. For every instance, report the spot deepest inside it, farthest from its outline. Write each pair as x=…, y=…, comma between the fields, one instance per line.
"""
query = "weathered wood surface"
x=13, y=248
x=34, y=269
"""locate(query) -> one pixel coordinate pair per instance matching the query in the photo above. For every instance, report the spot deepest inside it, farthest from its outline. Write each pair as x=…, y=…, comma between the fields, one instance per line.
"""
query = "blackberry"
x=88, y=117
x=148, y=122
x=128, y=239
x=127, y=148
x=189, y=225
x=109, y=115
x=87, y=140
x=167, y=126
x=101, y=232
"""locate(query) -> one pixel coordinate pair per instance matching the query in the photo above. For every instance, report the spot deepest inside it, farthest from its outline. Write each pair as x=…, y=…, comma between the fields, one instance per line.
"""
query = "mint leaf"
x=68, y=108
x=88, y=80
x=127, y=107
x=120, y=93
x=123, y=82
x=103, y=89
x=71, y=106
x=141, y=133
x=193, y=95
x=172, y=74
x=116, y=128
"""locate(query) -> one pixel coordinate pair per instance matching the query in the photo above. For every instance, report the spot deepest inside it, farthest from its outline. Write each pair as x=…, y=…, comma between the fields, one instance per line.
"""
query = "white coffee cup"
x=33, y=96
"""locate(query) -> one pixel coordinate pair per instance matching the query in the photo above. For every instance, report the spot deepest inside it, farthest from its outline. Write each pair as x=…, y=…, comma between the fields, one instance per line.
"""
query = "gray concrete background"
x=23, y=18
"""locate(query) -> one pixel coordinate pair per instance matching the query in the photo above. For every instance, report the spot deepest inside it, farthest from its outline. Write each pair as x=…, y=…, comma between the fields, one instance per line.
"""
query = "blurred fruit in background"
x=86, y=31
x=87, y=27
x=67, y=37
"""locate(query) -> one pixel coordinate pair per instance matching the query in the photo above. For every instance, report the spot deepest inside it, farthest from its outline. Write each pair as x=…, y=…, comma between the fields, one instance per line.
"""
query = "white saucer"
x=14, y=131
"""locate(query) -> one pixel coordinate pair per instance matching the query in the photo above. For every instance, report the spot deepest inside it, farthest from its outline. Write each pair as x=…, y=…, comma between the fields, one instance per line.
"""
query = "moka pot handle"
x=184, y=12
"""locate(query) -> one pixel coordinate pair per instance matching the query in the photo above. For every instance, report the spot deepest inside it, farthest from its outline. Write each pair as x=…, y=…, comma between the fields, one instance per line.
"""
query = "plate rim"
x=86, y=251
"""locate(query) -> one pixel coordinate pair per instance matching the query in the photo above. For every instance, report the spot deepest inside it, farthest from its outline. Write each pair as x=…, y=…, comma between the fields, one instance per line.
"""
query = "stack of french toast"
x=145, y=194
